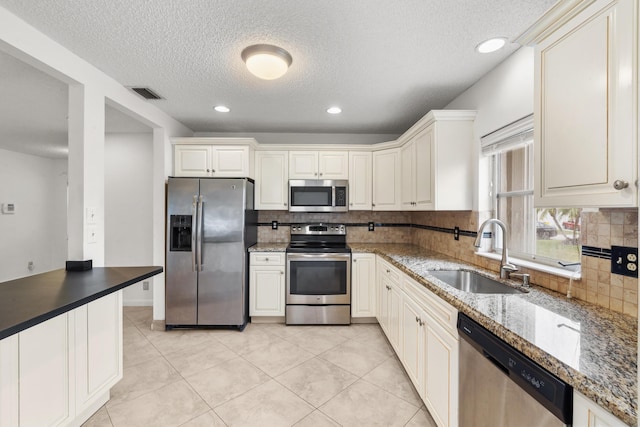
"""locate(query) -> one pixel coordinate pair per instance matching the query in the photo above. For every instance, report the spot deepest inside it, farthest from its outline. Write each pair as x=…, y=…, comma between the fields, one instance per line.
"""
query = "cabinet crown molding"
x=554, y=18
x=203, y=140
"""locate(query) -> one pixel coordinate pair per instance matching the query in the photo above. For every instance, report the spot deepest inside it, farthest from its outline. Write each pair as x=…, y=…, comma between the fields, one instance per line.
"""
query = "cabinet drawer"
x=267, y=258
x=440, y=310
x=388, y=270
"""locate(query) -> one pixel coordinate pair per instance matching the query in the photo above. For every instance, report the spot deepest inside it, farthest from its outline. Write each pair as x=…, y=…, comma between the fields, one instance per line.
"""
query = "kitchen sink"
x=470, y=281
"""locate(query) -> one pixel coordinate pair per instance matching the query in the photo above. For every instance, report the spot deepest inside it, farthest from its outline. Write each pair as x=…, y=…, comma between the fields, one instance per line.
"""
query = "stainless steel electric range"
x=318, y=275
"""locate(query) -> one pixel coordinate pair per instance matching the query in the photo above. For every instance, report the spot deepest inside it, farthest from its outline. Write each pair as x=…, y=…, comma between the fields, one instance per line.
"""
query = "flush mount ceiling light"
x=491, y=45
x=221, y=109
x=334, y=110
x=266, y=61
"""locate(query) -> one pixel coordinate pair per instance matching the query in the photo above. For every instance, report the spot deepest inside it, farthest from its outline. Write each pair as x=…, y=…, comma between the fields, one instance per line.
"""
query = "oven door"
x=318, y=278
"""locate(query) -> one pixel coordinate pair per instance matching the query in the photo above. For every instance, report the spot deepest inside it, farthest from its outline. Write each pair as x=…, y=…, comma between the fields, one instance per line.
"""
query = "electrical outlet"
x=371, y=226
x=274, y=225
x=145, y=286
x=624, y=261
x=456, y=233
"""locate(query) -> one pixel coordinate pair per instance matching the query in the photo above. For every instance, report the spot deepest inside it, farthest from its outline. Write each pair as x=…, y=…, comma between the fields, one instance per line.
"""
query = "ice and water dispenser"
x=180, y=233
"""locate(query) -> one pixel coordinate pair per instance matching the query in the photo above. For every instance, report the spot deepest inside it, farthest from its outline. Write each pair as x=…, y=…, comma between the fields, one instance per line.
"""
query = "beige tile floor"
x=269, y=375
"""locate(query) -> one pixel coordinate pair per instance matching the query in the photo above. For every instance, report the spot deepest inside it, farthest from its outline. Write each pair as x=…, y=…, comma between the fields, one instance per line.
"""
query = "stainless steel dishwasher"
x=501, y=387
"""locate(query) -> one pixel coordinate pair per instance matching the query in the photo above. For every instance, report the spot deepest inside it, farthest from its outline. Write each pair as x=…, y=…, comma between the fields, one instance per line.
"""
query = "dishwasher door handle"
x=497, y=364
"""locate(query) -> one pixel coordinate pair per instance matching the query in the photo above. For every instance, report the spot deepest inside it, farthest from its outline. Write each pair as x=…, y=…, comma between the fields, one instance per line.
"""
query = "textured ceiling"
x=386, y=63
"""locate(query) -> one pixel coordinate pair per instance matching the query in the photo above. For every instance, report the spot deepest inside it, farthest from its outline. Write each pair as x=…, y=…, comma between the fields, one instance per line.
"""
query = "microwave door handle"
x=333, y=195
x=194, y=231
x=200, y=233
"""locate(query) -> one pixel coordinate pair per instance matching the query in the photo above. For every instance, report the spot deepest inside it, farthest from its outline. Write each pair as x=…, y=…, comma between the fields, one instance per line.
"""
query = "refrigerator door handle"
x=200, y=233
x=194, y=232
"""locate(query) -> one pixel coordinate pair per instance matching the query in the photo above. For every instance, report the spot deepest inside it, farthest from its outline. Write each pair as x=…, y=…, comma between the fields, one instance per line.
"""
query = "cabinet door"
x=588, y=413
x=585, y=125
x=230, y=161
x=44, y=372
x=98, y=348
x=333, y=165
x=303, y=165
x=441, y=373
x=384, y=285
x=395, y=323
x=412, y=343
x=272, y=175
x=408, y=175
x=9, y=381
x=386, y=180
x=266, y=291
x=360, y=181
x=192, y=160
x=363, y=285
x=425, y=169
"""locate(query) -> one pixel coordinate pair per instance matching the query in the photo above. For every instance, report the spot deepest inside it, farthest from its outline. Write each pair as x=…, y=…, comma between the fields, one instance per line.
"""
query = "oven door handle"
x=319, y=256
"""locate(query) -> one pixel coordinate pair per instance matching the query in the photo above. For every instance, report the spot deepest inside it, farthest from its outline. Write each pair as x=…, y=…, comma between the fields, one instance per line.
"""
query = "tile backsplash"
x=602, y=229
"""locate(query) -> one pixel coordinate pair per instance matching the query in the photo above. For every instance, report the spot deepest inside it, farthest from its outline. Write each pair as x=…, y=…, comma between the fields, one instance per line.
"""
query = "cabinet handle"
x=417, y=319
x=421, y=322
x=619, y=184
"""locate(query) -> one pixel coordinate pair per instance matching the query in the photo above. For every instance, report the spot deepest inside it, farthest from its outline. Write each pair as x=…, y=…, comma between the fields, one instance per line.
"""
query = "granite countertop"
x=31, y=300
x=268, y=247
x=592, y=348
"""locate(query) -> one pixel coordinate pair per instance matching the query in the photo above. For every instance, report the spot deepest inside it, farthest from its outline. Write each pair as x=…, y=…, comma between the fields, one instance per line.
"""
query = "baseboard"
x=137, y=303
x=364, y=320
x=267, y=319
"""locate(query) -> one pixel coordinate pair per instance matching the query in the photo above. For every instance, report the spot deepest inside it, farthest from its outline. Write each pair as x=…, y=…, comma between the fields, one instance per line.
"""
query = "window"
x=546, y=235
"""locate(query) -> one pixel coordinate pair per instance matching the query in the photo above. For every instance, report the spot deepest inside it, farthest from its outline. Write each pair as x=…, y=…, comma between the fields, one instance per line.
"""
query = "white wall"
x=37, y=231
x=129, y=206
x=502, y=96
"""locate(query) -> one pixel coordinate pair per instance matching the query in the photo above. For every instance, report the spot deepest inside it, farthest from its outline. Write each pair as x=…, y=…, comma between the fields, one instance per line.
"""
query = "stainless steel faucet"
x=506, y=268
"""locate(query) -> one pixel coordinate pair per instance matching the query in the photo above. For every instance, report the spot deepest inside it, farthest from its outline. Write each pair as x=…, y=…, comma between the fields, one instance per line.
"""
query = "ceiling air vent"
x=146, y=93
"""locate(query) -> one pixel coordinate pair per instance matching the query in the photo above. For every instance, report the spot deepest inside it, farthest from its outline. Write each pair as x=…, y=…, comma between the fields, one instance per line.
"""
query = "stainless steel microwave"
x=318, y=195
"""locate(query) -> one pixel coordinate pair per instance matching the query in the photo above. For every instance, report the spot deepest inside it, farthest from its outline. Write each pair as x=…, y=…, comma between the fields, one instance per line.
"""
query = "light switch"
x=91, y=216
x=92, y=235
x=8, y=208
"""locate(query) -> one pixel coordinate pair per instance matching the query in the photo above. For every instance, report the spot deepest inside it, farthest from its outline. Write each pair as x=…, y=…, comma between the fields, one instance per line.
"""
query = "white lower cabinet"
x=363, y=285
x=589, y=414
x=267, y=284
x=389, y=292
x=98, y=350
x=58, y=373
x=427, y=340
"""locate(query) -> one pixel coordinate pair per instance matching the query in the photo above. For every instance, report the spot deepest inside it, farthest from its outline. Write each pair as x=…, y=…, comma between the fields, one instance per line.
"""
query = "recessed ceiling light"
x=266, y=61
x=334, y=110
x=221, y=109
x=491, y=45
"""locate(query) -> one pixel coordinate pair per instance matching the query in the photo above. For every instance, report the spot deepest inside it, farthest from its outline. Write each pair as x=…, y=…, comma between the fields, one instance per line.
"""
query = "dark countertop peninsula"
x=31, y=300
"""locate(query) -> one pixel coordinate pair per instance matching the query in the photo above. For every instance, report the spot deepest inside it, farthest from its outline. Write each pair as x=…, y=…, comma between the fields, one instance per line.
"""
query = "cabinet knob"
x=373, y=204
x=213, y=170
x=619, y=184
x=417, y=319
x=351, y=204
x=320, y=173
x=355, y=260
x=285, y=204
x=281, y=272
x=388, y=271
x=208, y=170
x=266, y=259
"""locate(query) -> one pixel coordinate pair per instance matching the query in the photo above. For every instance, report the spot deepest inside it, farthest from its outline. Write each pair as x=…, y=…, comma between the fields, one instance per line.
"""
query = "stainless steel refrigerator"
x=210, y=224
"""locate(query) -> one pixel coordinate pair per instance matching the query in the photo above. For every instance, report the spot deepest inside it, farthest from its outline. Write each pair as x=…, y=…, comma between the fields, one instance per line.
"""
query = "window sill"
x=557, y=271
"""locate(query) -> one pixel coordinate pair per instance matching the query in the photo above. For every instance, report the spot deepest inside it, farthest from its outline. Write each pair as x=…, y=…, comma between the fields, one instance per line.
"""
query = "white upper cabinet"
x=437, y=162
x=586, y=109
x=416, y=173
x=211, y=157
x=360, y=180
x=272, y=180
x=318, y=164
x=386, y=180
